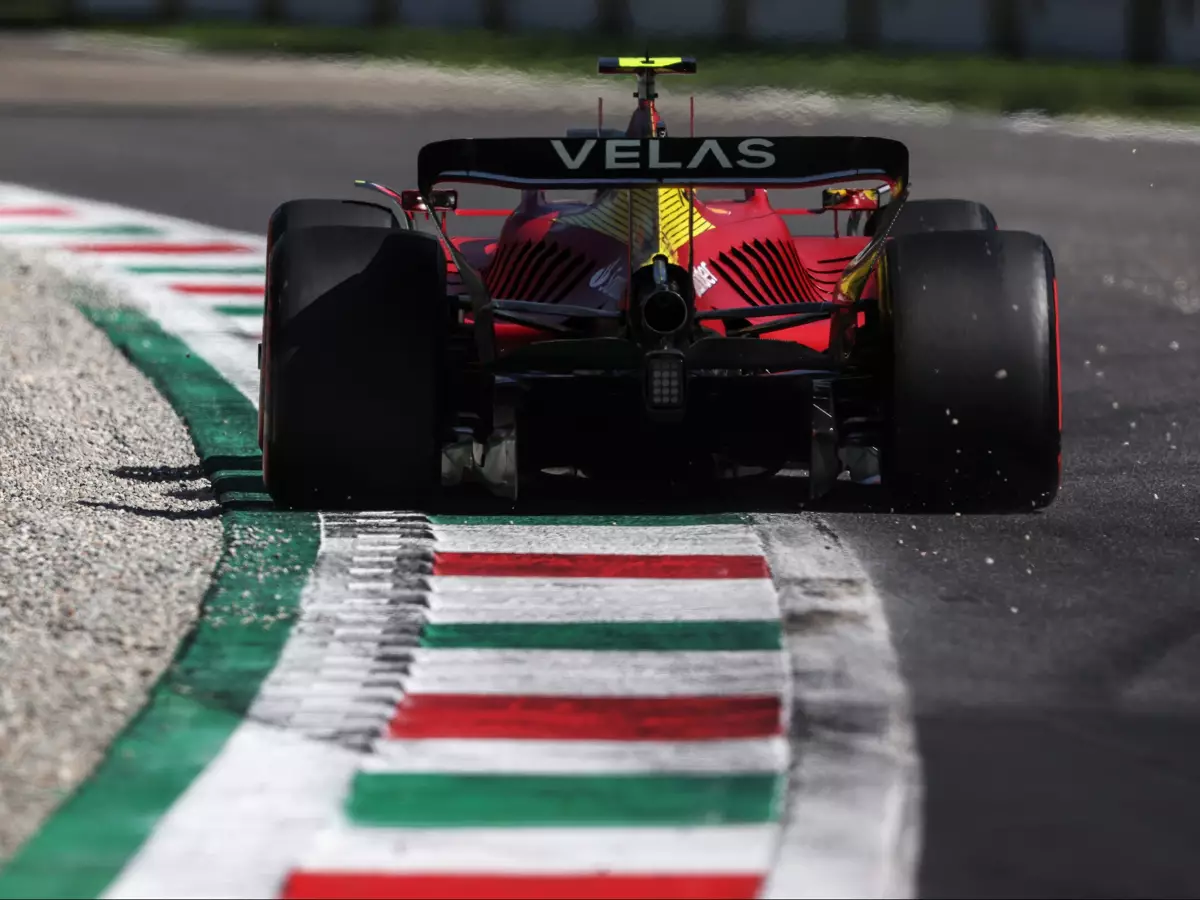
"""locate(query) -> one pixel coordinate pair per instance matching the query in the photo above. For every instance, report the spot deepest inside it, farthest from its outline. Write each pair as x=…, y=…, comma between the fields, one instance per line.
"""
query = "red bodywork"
x=578, y=253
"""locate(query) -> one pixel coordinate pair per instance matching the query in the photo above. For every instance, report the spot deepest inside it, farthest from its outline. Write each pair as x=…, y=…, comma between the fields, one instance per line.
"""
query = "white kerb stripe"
x=695, y=540
x=530, y=757
x=599, y=673
x=481, y=599
x=741, y=849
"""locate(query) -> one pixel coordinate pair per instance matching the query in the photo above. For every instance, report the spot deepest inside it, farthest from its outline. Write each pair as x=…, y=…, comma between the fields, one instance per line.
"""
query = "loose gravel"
x=108, y=536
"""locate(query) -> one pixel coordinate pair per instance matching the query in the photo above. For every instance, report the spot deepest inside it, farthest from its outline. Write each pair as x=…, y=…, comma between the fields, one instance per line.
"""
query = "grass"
x=990, y=84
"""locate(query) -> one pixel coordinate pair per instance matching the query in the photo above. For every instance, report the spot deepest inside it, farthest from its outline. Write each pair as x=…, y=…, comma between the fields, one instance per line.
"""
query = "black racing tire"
x=354, y=368
x=312, y=213
x=924, y=216
x=975, y=402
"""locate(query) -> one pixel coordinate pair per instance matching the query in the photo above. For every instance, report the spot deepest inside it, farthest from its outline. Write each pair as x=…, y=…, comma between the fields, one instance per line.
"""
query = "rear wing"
x=607, y=163
x=624, y=163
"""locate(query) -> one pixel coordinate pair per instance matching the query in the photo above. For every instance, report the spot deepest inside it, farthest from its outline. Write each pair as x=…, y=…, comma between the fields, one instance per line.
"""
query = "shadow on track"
x=154, y=474
x=209, y=512
x=568, y=495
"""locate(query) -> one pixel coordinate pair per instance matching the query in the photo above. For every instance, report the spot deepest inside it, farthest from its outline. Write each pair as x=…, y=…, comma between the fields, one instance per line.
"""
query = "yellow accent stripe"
x=660, y=221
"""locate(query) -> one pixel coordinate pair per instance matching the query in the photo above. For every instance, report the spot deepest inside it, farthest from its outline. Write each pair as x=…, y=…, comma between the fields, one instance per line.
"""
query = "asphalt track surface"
x=1054, y=658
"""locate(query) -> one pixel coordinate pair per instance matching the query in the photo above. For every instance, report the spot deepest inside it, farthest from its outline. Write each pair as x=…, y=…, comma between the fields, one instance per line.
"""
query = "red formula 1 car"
x=652, y=332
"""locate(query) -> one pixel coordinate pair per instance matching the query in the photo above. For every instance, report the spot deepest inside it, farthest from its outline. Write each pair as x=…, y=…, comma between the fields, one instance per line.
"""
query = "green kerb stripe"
x=81, y=230
x=462, y=801
x=196, y=270
x=205, y=693
x=734, y=635
x=241, y=310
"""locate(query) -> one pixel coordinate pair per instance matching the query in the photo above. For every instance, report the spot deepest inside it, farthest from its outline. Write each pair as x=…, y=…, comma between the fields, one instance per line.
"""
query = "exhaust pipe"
x=664, y=309
x=664, y=312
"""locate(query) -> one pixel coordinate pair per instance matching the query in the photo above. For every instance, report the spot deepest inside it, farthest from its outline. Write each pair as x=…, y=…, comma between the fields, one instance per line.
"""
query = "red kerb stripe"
x=498, y=717
x=247, y=290
x=39, y=211
x=161, y=247
x=381, y=886
x=599, y=565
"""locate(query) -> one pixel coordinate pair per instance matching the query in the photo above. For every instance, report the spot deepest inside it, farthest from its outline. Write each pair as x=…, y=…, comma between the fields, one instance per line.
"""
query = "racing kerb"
x=394, y=704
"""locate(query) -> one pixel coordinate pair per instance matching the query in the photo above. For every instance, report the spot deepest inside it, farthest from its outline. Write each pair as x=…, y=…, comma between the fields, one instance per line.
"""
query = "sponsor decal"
x=702, y=279
x=627, y=153
x=609, y=280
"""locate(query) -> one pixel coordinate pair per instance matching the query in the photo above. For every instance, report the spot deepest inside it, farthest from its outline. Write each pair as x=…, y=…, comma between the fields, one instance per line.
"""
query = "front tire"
x=975, y=401
x=354, y=376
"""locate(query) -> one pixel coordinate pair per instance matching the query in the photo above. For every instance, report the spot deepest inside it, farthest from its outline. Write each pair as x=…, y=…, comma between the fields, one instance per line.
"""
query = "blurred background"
x=1054, y=661
x=1136, y=30
x=1128, y=57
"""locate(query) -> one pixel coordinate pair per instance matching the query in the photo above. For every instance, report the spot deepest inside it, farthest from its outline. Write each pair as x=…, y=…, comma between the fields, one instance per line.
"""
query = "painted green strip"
x=81, y=230
x=255, y=310
x=732, y=635
x=196, y=270
x=204, y=694
x=631, y=521
x=460, y=801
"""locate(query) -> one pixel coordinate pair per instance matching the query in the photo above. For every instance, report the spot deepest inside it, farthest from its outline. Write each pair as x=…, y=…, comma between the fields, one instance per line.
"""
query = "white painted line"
x=376, y=513
x=726, y=849
x=371, y=633
x=355, y=606
x=323, y=689
x=716, y=540
x=283, y=700
x=310, y=718
x=239, y=280
x=289, y=691
x=599, y=673
x=362, y=730
x=399, y=601
x=533, y=757
x=358, y=612
x=409, y=515
x=852, y=822
x=235, y=830
x=346, y=672
x=309, y=659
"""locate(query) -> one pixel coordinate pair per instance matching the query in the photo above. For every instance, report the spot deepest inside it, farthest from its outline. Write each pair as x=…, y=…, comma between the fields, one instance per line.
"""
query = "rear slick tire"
x=925, y=216
x=975, y=400
x=311, y=213
x=355, y=368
